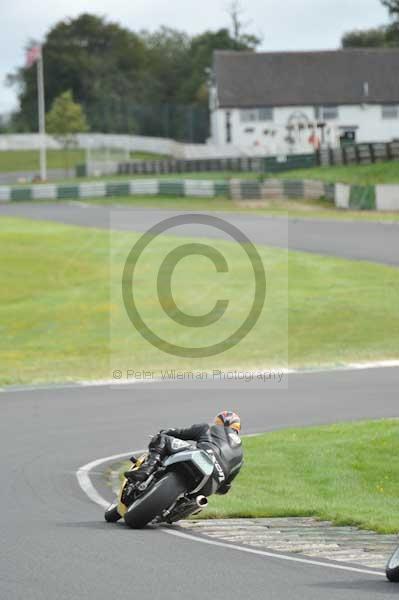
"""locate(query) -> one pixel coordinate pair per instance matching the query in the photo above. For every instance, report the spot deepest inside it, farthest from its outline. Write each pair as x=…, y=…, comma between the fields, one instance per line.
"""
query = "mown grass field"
x=345, y=473
x=383, y=172
x=62, y=316
x=28, y=160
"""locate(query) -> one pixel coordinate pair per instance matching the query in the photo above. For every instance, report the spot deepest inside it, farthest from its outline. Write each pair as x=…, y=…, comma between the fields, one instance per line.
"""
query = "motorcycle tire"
x=158, y=498
x=111, y=515
x=392, y=569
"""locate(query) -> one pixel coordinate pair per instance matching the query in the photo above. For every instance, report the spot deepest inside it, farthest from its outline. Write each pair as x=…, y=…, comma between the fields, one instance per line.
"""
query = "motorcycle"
x=392, y=568
x=172, y=492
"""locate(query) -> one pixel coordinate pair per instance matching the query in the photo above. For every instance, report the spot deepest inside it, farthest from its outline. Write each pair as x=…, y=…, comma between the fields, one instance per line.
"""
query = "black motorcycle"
x=172, y=492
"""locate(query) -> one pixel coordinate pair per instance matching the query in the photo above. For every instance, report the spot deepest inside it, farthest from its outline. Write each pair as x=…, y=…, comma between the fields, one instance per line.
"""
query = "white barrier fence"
x=131, y=143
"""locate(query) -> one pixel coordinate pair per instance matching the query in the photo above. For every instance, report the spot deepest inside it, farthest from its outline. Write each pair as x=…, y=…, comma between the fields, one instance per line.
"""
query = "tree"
x=368, y=38
x=64, y=120
x=91, y=57
x=392, y=6
x=200, y=57
x=384, y=36
x=235, y=11
x=150, y=83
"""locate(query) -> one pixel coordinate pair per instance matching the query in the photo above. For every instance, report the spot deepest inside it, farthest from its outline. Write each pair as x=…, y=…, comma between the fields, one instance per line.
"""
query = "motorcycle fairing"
x=199, y=458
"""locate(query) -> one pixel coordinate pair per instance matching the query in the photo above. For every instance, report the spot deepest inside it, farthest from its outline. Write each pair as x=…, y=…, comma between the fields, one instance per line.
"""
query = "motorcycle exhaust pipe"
x=201, y=501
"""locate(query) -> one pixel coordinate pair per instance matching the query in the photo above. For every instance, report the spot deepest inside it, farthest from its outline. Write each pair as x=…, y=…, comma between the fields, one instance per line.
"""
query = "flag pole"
x=42, y=117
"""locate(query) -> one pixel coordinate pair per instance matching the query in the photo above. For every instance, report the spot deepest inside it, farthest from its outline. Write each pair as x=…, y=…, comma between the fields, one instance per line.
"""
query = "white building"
x=293, y=102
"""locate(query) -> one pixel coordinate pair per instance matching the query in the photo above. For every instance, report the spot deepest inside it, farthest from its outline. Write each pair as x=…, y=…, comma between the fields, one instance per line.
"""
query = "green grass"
x=344, y=473
x=28, y=160
x=383, y=172
x=312, y=209
x=62, y=317
x=148, y=156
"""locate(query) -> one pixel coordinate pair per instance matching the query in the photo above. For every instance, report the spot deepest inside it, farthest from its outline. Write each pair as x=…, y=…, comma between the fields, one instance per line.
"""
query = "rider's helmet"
x=230, y=419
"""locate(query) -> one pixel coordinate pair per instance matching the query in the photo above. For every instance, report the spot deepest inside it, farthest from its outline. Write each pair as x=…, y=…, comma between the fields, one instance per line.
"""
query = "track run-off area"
x=55, y=543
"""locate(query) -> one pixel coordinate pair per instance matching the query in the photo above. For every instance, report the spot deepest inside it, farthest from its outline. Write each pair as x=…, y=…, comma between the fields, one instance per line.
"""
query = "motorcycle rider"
x=221, y=439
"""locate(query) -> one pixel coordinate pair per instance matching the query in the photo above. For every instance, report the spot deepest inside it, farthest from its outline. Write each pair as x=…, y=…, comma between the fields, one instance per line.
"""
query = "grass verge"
x=382, y=172
x=307, y=209
x=344, y=473
x=58, y=297
x=28, y=160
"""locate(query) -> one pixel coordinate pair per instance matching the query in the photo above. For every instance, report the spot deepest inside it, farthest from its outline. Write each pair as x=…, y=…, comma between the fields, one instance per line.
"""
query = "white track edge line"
x=386, y=364
x=83, y=477
x=285, y=557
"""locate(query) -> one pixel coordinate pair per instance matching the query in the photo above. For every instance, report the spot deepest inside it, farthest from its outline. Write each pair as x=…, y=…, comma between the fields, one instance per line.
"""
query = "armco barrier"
x=261, y=165
x=380, y=197
x=361, y=154
x=170, y=166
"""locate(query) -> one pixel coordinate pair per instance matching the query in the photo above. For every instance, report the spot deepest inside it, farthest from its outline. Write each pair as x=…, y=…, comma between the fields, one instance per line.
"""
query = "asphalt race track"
x=55, y=545
x=372, y=241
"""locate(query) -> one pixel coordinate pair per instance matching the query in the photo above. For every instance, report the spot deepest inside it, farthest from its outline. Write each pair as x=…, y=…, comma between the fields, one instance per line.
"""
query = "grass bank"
x=62, y=317
x=383, y=172
x=345, y=473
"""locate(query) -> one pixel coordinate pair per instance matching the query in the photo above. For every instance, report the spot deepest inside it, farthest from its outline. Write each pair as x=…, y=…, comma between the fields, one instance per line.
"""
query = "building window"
x=326, y=113
x=249, y=130
x=251, y=115
x=248, y=116
x=266, y=114
x=390, y=111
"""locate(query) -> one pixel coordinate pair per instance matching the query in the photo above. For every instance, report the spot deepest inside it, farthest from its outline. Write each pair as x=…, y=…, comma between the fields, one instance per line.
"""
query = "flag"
x=33, y=55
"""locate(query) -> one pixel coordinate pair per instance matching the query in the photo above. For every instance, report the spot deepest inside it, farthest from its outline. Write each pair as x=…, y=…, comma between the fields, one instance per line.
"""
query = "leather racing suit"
x=223, y=442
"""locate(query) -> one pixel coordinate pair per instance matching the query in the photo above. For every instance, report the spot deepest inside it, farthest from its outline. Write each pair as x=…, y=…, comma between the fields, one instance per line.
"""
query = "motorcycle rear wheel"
x=392, y=570
x=158, y=498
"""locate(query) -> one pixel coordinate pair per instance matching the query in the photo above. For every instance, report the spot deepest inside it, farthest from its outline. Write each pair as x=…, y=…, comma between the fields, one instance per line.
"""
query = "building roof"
x=350, y=76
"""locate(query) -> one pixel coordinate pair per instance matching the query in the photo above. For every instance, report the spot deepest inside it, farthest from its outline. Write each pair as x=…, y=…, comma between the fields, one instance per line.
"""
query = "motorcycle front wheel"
x=152, y=503
x=392, y=569
x=111, y=515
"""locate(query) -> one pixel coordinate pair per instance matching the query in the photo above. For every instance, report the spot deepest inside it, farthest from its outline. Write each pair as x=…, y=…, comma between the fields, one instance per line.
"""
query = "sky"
x=283, y=25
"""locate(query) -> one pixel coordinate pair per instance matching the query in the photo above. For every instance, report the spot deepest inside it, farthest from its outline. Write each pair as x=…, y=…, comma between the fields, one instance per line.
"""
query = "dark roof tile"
x=246, y=79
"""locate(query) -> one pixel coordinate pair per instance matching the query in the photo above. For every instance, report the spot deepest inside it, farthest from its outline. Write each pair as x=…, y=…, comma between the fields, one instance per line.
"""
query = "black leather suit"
x=223, y=441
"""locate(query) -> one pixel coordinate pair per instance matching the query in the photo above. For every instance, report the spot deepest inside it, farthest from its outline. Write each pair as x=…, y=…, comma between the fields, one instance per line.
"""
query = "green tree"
x=65, y=119
x=201, y=52
x=93, y=58
x=392, y=6
x=384, y=36
x=368, y=38
x=149, y=83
